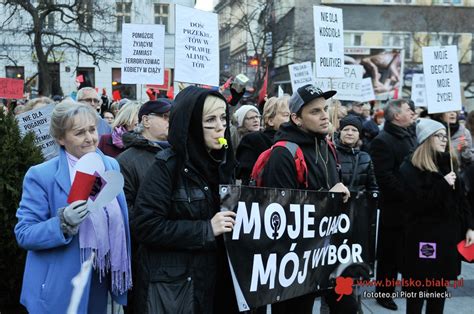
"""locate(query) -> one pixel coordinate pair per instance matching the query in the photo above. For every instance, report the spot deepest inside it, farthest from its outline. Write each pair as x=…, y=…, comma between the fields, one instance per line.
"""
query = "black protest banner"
x=285, y=243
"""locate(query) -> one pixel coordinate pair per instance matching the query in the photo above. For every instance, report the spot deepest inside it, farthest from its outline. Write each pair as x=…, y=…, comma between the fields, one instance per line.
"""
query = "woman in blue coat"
x=60, y=236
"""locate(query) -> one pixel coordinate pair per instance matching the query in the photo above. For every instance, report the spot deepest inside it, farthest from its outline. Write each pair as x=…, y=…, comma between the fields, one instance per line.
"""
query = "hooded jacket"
x=280, y=170
x=179, y=258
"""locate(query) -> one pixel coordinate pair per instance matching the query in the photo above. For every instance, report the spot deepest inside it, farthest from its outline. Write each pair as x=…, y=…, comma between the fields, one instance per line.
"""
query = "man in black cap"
x=142, y=144
x=308, y=128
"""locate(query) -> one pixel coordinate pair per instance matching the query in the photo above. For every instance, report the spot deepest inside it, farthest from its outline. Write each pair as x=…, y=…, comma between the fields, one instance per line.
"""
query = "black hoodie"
x=187, y=139
x=172, y=221
x=280, y=170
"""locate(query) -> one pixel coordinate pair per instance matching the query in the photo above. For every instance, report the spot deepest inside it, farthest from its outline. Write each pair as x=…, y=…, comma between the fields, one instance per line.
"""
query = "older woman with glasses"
x=437, y=217
x=60, y=236
x=276, y=111
x=247, y=119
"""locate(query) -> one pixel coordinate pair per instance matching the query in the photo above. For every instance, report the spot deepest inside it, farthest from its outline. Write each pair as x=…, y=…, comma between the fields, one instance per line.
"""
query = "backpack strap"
x=300, y=163
x=298, y=157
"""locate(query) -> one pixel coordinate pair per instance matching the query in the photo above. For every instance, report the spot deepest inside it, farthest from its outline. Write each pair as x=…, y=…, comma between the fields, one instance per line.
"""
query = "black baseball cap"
x=306, y=94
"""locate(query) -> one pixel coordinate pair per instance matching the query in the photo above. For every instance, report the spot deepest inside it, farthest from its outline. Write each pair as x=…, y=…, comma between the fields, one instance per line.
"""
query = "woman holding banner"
x=437, y=217
x=182, y=264
x=59, y=237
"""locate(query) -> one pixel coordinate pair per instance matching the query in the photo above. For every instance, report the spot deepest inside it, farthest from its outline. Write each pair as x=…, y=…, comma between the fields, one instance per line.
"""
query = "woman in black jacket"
x=436, y=215
x=275, y=112
x=178, y=222
x=356, y=166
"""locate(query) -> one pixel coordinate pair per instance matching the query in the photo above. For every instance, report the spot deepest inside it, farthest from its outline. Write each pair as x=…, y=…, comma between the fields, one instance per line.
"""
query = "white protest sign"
x=38, y=121
x=143, y=53
x=197, y=47
x=300, y=75
x=328, y=42
x=441, y=70
x=367, y=90
x=348, y=88
x=418, y=92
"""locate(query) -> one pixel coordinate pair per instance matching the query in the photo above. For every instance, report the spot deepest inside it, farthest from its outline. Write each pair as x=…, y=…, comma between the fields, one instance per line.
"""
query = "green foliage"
x=17, y=154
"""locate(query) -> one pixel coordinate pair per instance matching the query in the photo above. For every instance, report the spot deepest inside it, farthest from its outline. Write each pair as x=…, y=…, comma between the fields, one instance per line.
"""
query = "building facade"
x=66, y=64
x=407, y=24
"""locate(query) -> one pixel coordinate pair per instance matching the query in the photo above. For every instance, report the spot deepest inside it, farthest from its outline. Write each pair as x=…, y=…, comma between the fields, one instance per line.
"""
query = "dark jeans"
x=388, y=250
x=433, y=305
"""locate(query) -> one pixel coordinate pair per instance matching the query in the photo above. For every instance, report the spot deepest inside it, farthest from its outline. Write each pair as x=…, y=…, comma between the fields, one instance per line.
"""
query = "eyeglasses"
x=164, y=116
x=257, y=117
x=441, y=137
x=91, y=100
x=213, y=123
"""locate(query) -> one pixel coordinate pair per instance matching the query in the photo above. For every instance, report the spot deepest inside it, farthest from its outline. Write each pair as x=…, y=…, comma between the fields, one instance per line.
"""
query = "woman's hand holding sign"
x=223, y=222
x=341, y=188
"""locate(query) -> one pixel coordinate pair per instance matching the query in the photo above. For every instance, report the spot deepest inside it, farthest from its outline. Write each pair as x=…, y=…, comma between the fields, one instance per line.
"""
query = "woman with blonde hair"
x=275, y=112
x=177, y=222
x=436, y=216
x=59, y=236
x=126, y=120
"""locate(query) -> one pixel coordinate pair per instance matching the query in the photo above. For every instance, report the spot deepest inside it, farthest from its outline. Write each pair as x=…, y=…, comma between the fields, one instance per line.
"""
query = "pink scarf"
x=103, y=232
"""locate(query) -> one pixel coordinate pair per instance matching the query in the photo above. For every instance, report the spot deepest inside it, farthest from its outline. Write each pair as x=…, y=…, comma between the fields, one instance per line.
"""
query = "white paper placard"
x=328, y=42
x=348, y=88
x=367, y=90
x=418, y=92
x=197, y=47
x=300, y=74
x=143, y=54
x=38, y=121
x=442, y=84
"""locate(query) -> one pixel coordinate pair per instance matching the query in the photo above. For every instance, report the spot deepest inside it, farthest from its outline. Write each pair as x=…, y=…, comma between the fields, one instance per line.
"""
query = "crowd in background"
x=172, y=160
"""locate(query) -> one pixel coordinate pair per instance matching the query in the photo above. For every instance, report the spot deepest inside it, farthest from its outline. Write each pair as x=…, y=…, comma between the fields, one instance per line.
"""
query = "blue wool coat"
x=53, y=259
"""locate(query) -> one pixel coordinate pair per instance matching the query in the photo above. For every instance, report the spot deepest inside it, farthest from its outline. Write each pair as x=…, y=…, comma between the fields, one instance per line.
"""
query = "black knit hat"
x=351, y=120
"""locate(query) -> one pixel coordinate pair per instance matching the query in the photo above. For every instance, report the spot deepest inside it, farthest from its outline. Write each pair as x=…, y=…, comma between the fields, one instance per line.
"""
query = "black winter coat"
x=134, y=163
x=388, y=150
x=280, y=170
x=248, y=151
x=182, y=266
x=436, y=218
x=363, y=175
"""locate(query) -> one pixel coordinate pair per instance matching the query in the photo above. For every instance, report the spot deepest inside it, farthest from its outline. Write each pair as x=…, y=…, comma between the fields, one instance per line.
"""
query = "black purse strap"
x=354, y=172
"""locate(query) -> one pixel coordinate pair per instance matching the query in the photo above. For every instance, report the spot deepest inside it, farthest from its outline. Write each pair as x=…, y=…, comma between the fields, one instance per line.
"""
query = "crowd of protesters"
x=165, y=228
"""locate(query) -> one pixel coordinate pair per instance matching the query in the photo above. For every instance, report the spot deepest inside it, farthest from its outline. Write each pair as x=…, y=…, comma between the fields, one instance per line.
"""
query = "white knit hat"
x=240, y=113
x=426, y=127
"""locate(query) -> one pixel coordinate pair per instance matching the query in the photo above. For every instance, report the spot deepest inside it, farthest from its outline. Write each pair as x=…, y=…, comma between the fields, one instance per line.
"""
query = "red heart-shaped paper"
x=467, y=252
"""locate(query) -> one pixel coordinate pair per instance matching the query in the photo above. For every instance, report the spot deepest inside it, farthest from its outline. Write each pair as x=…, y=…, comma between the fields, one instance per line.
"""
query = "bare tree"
x=55, y=26
x=270, y=29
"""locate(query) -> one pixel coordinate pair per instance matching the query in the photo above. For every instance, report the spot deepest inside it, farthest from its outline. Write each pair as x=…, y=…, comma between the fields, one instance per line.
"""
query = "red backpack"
x=296, y=152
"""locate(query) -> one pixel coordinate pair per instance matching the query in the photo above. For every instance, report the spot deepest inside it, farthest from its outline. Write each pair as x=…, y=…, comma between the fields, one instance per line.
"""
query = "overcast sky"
x=206, y=5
